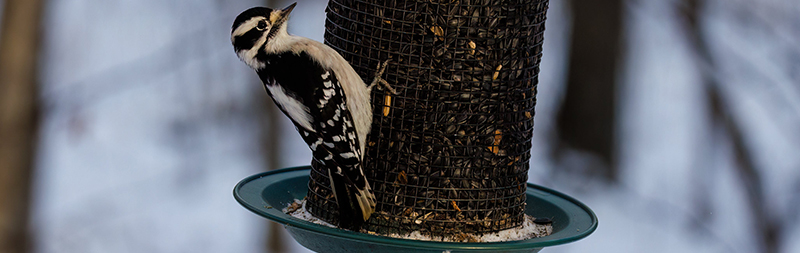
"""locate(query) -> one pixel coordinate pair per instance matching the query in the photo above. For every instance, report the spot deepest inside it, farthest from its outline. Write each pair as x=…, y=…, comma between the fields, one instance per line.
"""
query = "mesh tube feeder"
x=450, y=152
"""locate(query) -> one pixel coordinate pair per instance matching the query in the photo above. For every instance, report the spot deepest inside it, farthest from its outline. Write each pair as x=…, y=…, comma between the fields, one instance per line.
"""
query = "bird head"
x=255, y=29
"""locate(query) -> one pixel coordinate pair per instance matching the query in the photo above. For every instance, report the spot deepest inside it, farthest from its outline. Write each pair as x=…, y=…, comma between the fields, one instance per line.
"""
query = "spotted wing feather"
x=326, y=127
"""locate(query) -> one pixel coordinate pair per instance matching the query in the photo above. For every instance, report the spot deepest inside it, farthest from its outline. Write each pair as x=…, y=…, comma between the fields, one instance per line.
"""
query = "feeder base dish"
x=267, y=193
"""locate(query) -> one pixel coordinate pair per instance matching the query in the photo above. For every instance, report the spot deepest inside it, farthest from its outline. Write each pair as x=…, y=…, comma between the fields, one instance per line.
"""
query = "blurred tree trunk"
x=18, y=119
x=587, y=118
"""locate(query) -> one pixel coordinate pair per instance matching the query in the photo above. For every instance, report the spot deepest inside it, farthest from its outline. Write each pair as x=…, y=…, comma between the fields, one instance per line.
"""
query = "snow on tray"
x=528, y=230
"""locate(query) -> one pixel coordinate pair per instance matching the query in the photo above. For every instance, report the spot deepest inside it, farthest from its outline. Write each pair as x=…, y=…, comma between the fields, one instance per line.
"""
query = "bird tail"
x=355, y=205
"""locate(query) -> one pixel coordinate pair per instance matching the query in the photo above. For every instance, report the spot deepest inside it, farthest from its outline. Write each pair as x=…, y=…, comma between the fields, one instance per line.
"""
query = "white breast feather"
x=294, y=109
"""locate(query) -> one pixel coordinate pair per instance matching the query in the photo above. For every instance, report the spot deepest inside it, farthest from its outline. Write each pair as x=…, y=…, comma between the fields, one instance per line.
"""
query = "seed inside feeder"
x=387, y=102
x=497, y=72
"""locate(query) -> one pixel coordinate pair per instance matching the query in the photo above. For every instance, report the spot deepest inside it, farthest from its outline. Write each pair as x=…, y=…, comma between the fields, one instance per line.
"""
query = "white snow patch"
x=528, y=230
x=303, y=214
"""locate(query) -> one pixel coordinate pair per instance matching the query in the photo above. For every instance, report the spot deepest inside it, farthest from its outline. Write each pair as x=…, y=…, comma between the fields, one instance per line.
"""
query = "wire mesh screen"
x=450, y=152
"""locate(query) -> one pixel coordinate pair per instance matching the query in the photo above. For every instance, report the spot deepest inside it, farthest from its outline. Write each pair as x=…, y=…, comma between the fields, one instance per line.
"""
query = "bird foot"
x=379, y=79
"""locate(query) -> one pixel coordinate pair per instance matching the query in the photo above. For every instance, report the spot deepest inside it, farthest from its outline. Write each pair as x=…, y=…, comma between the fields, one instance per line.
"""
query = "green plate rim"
x=275, y=214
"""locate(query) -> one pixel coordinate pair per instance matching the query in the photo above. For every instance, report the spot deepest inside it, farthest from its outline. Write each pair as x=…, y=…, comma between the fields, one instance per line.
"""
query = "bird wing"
x=328, y=127
x=295, y=81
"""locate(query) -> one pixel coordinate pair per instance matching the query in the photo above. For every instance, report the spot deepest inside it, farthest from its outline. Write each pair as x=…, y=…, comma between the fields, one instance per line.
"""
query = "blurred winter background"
x=124, y=125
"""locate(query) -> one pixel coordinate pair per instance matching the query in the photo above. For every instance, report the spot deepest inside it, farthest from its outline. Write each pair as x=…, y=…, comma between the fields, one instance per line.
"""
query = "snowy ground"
x=150, y=120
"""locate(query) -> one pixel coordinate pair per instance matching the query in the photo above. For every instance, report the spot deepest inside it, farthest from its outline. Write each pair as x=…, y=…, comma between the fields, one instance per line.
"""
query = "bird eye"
x=261, y=25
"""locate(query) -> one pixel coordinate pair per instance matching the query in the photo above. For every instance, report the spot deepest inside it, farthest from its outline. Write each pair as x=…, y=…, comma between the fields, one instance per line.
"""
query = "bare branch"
x=766, y=224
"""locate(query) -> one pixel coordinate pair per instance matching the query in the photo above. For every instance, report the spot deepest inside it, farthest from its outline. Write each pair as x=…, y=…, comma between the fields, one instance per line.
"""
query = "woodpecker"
x=322, y=94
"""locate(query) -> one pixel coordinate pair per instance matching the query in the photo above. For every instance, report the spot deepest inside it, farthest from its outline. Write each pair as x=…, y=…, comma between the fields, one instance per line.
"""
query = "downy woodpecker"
x=323, y=96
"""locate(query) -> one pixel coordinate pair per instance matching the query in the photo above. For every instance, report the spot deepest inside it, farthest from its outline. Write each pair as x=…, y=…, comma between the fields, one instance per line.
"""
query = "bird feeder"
x=449, y=152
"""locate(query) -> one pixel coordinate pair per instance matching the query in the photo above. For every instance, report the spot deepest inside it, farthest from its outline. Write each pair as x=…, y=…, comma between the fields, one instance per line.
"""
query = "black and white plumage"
x=323, y=96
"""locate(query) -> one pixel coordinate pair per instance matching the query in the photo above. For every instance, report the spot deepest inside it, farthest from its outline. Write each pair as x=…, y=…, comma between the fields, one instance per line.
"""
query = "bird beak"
x=285, y=12
x=279, y=17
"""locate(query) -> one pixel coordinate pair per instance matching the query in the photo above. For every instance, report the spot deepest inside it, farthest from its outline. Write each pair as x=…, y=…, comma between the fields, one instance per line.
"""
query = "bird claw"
x=379, y=80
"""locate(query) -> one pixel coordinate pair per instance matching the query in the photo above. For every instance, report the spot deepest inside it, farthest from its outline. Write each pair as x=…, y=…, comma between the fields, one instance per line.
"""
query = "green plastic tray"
x=267, y=193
